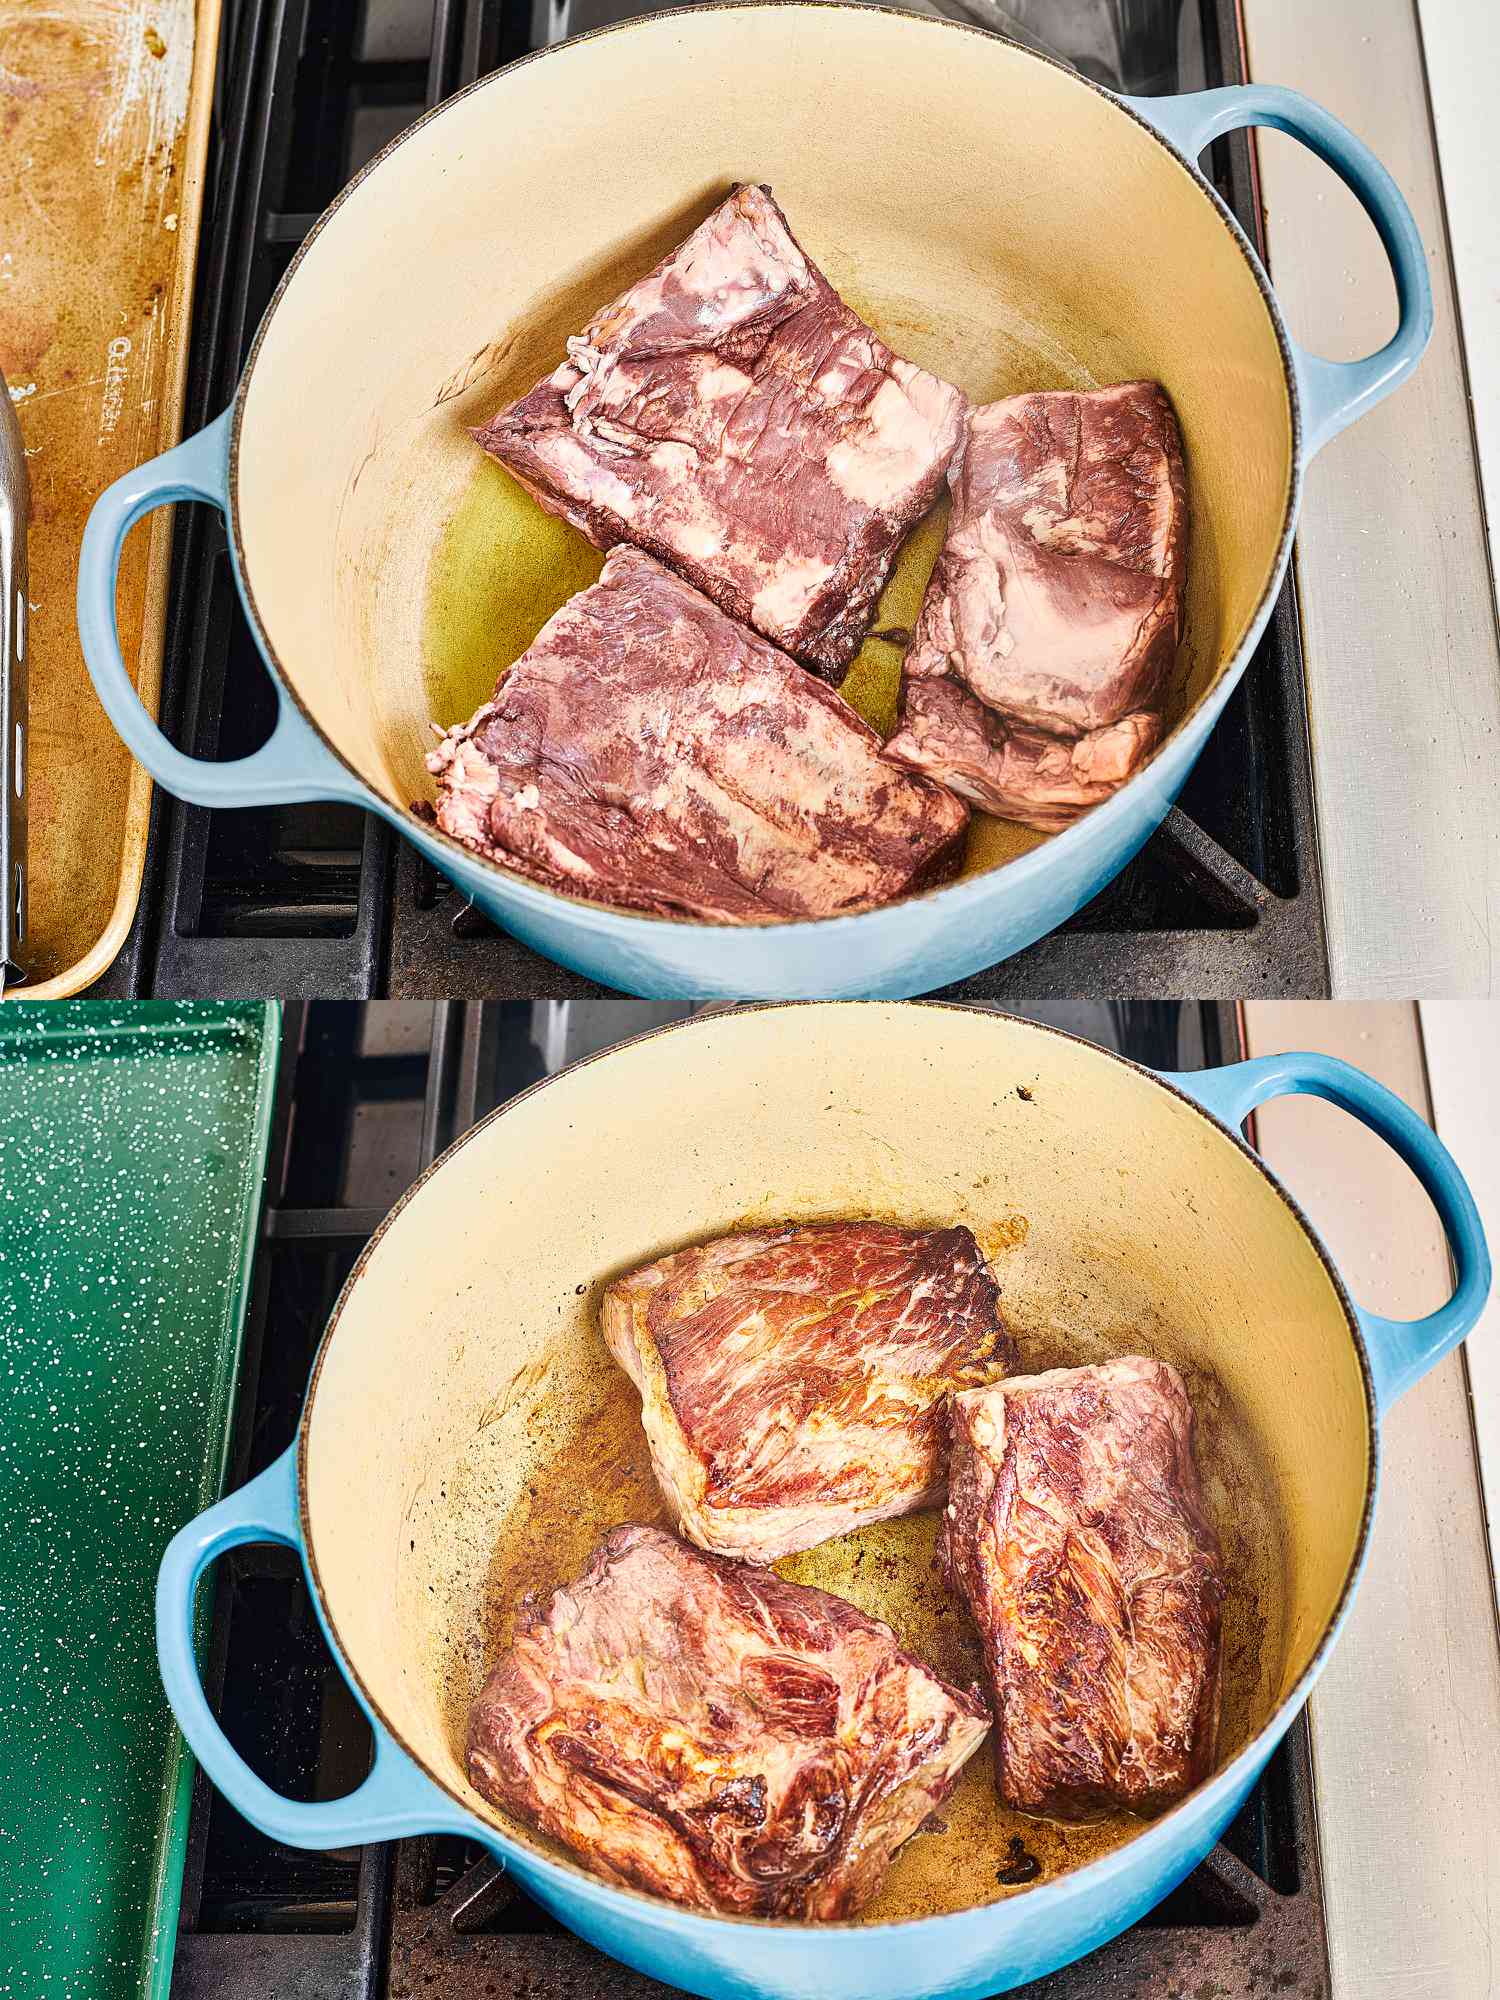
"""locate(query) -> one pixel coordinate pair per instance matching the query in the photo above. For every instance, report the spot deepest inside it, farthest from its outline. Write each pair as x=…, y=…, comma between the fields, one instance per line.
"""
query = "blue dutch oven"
x=466, y=1436
x=1002, y=220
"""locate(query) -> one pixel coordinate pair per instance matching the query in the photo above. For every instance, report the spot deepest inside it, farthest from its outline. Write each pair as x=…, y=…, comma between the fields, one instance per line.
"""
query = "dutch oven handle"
x=294, y=764
x=396, y=1800
x=1333, y=393
x=1401, y=1351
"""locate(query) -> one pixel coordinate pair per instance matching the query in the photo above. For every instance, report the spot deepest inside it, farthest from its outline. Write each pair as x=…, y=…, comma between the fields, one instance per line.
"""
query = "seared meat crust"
x=713, y=1734
x=793, y=1379
x=1077, y=1535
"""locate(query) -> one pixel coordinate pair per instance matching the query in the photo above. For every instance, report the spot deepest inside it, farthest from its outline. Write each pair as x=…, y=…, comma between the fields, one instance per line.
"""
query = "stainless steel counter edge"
x=1403, y=655
x=1405, y=1724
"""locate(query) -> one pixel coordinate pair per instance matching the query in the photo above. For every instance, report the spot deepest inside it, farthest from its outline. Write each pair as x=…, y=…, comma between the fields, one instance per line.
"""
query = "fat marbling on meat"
x=1039, y=671
x=793, y=1379
x=650, y=752
x=1077, y=1535
x=716, y=1735
x=733, y=417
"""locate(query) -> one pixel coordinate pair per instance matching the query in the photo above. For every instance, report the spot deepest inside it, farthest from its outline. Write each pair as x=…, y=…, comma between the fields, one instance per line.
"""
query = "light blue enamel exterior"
x=1333, y=393
x=915, y=946
x=961, y=1957
x=293, y=764
x=394, y=1801
x=1400, y=1350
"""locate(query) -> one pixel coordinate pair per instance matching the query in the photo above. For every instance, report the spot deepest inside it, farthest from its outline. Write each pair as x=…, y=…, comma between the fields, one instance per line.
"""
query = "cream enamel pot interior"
x=466, y=1435
x=998, y=218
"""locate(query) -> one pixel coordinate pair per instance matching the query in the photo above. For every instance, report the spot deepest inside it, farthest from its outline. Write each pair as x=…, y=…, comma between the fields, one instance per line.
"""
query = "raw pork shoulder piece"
x=1021, y=774
x=1077, y=1534
x=732, y=416
x=713, y=1734
x=1038, y=672
x=649, y=752
x=793, y=1380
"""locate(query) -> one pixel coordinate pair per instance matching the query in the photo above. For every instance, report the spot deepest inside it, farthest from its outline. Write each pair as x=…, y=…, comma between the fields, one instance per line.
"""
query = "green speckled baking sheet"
x=132, y=1155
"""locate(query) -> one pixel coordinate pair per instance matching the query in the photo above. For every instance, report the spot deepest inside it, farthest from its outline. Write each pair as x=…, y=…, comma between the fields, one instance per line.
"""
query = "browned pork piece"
x=649, y=752
x=1076, y=1533
x=793, y=1379
x=730, y=415
x=1038, y=674
x=713, y=1734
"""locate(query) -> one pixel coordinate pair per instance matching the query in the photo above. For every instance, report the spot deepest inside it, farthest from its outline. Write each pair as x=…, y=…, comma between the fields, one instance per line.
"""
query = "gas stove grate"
x=322, y=900
x=367, y=1097
x=1238, y=1928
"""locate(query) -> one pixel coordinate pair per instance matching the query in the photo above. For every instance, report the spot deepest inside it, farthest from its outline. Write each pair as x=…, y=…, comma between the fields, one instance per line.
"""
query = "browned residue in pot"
x=591, y=1470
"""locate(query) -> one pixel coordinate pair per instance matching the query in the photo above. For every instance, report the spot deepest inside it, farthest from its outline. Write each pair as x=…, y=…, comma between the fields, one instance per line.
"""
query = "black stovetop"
x=366, y=1097
x=323, y=900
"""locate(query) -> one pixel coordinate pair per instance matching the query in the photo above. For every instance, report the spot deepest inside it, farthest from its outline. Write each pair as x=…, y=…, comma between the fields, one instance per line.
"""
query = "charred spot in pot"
x=1019, y=1866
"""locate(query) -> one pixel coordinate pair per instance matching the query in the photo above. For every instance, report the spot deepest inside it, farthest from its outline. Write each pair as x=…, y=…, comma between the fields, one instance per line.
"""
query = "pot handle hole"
x=1333, y=393
x=394, y=1801
x=294, y=764
x=1401, y=1351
